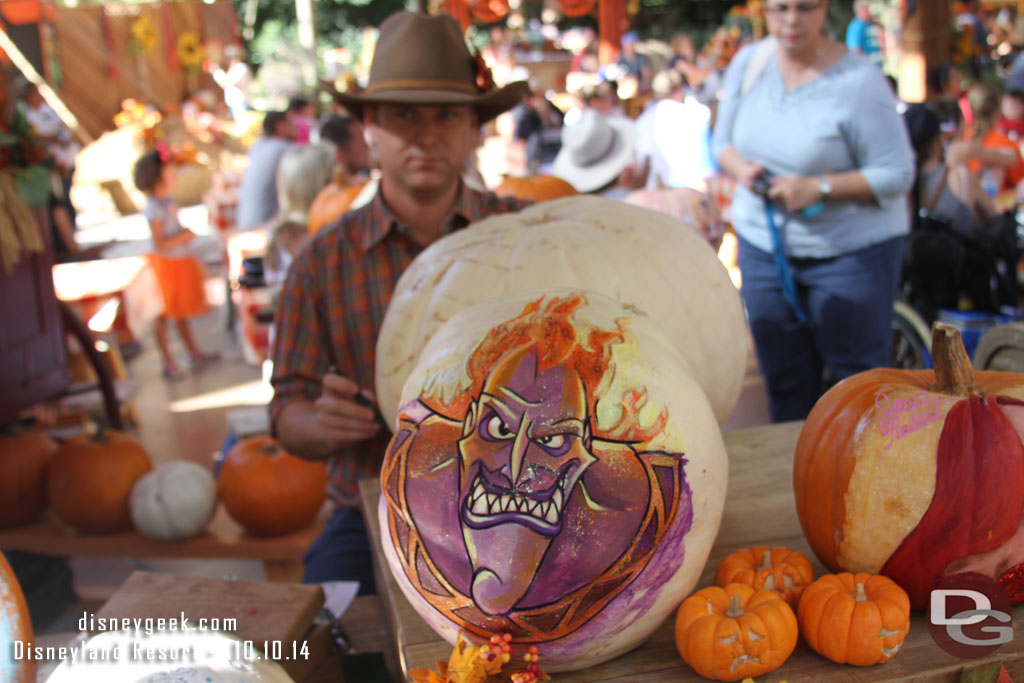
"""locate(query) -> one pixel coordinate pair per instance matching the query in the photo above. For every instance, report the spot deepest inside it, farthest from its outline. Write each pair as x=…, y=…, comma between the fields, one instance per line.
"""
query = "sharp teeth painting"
x=528, y=484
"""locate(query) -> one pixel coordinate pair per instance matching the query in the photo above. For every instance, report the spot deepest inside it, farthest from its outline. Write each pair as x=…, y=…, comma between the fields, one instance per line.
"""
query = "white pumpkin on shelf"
x=174, y=501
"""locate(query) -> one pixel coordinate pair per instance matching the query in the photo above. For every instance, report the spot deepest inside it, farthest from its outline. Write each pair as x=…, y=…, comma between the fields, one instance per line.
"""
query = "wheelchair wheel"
x=911, y=339
x=1001, y=348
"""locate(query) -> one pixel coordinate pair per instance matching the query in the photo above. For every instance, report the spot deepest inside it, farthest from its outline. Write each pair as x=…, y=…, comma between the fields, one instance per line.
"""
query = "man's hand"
x=795, y=192
x=343, y=421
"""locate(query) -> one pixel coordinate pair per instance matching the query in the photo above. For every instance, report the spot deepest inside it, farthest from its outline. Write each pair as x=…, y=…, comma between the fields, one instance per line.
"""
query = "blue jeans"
x=848, y=300
x=342, y=552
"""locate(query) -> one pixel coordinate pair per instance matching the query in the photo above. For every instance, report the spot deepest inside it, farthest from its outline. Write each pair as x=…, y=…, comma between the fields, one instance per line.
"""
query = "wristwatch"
x=824, y=186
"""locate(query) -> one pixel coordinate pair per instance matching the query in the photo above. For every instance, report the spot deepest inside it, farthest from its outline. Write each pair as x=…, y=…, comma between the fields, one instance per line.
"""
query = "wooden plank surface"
x=261, y=611
x=759, y=510
x=223, y=538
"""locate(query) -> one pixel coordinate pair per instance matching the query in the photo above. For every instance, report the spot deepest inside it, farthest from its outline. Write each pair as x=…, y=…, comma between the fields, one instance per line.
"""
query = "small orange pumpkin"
x=732, y=632
x=269, y=491
x=24, y=455
x=859, y=619
x=538, y=188
x=89, y=481
x=15, y=626
x=332, y=203
x=780, y=569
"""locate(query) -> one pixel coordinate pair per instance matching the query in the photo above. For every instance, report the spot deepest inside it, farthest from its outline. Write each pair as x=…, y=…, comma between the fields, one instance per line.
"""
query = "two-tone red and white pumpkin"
x=645, y=260
x=557, y=473
x=917, y=474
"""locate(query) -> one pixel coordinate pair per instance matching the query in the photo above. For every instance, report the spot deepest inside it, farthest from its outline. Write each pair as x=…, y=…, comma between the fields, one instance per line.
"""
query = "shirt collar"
x=386, y=221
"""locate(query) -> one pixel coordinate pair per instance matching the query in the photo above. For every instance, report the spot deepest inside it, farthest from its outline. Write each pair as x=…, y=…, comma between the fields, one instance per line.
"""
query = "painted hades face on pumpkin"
x=526, y=499
x=524, y=450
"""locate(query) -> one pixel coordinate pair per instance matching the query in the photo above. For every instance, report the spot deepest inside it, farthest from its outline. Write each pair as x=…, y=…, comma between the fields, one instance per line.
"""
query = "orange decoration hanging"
x=20, y=12
x=460, y=10
x=613, y=23
x=489, y=11
x=575, y=8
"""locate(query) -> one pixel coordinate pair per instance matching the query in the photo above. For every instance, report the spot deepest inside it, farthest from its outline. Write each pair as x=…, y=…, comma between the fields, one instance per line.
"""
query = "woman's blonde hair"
x=304, y=171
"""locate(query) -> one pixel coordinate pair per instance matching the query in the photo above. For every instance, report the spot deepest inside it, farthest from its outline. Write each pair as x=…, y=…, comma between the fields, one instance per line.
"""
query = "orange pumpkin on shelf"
x=917, y=474
x=332, y=203
x=24, y=455
x=537, y=188
x=779, y=569
x=15, y=626
x=89, y=481
x=858, y=619
x=733, y=632
x=269, y=491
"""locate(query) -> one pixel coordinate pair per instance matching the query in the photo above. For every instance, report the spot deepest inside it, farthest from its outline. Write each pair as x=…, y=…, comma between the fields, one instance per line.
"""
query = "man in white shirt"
x=674, y=134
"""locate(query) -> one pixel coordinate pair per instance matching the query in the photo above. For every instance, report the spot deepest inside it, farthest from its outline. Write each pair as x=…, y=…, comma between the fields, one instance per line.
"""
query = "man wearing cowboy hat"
x=426, y=98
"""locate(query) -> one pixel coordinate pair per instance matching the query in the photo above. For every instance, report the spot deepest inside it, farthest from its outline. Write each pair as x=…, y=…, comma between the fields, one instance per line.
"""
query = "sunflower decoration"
x=190, y=51
x=143, y=35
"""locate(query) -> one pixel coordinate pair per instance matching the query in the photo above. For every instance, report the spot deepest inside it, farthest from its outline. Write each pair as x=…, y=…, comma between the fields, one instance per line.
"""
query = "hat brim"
x=595, y=176
x=488, y=105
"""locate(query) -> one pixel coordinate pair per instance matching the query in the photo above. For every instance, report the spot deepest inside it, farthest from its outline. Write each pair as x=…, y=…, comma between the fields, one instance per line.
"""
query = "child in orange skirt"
x=179, y=274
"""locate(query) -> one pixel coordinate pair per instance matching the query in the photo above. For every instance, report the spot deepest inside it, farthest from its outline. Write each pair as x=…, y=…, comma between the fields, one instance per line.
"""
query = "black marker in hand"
x=361, y=399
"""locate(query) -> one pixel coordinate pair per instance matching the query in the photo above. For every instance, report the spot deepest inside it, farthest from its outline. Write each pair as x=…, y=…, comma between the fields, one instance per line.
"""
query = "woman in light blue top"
x=814, y=128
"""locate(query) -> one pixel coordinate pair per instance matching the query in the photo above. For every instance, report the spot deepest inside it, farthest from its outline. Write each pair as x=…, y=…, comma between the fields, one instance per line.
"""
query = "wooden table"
x=223, y=539
x=759, y=510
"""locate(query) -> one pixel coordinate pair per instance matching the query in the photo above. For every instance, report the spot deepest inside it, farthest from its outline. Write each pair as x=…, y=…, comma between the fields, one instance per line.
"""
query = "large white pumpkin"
x=173, y=502
x=644, y=259
x=557, y=474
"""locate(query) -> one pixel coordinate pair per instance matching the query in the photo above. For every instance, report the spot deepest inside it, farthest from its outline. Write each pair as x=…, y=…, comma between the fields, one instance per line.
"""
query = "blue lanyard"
x=782, y=269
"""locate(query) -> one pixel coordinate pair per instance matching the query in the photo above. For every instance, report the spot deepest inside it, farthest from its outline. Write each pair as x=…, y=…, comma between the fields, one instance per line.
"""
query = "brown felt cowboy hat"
x=423, y=59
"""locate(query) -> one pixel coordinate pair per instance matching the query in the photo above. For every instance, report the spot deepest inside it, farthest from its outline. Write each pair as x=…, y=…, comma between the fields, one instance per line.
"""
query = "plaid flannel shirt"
x=331, y=309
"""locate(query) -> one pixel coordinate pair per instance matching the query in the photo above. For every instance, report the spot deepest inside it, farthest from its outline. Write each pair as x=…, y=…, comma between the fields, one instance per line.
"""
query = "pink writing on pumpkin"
x=903, y=416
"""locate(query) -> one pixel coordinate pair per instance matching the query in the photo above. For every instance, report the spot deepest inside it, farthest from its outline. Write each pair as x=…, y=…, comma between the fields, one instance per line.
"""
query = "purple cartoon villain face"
x=525, y=449
x=510, y=512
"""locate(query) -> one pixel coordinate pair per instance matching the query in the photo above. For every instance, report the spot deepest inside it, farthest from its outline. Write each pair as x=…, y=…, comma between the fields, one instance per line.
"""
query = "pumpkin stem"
x=269, y=448
x=735, y=608
x=953, y=368
x=859, y=595
x=766, y=560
